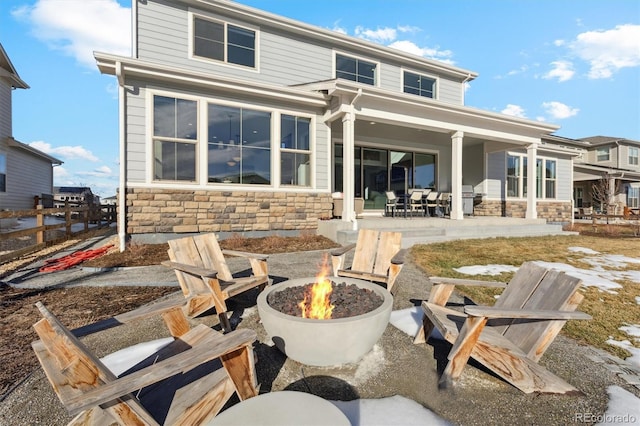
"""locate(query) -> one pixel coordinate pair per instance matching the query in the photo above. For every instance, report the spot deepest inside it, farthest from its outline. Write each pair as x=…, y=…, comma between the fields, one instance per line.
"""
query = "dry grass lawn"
x=609, y=311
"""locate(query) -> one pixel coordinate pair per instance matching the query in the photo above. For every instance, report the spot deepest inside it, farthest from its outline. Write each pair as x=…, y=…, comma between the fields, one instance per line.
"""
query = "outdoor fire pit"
x=325, y=342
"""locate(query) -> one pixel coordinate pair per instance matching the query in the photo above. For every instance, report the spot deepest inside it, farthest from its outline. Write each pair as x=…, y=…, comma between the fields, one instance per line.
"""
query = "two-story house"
x=607, y=167
x=235, y=119
x=25, y=172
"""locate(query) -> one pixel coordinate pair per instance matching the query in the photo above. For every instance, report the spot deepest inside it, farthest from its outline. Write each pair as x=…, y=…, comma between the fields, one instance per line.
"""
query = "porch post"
x=348, y=173
x=456, y=176
x=532, y=211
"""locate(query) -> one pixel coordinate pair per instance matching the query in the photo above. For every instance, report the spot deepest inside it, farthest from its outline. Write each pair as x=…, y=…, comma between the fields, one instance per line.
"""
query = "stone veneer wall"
x=552, y=211
x=169, y=211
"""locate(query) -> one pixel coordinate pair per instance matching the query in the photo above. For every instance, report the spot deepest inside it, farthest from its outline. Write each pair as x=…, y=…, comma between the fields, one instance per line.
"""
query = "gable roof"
x=605, y=140
x=7, y=71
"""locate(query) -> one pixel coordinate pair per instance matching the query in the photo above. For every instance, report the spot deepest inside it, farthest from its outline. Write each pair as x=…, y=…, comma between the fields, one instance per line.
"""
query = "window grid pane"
x=355, y=70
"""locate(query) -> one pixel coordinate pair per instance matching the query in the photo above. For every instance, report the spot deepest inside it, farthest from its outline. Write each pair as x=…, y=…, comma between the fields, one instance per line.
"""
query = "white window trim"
x=376, y=76
x=436, y=92
x=608, y=154
x=150, y=136
x=521, y=188
x=312, y=149
x=202, y=146
x=636, y=156
x=192, y=15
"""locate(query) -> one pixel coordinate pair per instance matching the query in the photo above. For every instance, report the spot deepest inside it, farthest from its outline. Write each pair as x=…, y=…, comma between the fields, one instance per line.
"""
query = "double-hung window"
x=514, y=175
x=602, y=154
x=633, y=196
x=175, y=136
x=633, y=156
x=295, y=150
x=546, y=177
x=420, y=85
x=239, y=145
x=3, y=172
x=224, y=42
x=355, y=69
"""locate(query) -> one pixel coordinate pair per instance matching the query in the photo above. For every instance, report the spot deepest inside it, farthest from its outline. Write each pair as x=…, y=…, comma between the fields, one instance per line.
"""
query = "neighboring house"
x=610, y=165
x=235, y=119
x=25, y=172
x=74, y=195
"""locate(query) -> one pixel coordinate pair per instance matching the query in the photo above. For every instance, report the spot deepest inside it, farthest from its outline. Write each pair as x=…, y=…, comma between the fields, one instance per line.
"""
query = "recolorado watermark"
x=605, y=418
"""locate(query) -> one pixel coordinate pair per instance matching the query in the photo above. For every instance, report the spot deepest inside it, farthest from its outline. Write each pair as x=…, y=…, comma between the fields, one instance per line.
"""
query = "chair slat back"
x=365, y=252
x=73, y=369
x=212, y=256
x=184, y=250
x=535, y=287
x=388, y=245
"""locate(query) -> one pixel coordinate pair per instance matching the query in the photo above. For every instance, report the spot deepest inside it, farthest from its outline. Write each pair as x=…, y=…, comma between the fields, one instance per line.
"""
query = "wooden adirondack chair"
x=182, y=383
x=205, y=278
x=378, y=257
x=510, y=337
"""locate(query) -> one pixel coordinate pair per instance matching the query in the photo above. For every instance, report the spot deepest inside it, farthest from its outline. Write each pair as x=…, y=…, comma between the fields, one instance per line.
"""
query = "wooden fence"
x=41, y=235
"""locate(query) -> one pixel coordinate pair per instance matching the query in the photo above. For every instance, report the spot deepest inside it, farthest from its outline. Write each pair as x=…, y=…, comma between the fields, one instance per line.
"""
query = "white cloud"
x=562, y=70
x=380, y=35
x=514, y=110
x=80, y=27
x=65, y=152
x=59, y=172
x=558, y=110
x=337, y=28
x=102, y=171
x=608, y=51
x=410, y=47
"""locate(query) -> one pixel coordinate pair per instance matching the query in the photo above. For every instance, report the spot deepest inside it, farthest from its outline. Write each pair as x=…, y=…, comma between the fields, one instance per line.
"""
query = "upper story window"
x=355, y=69
x=633, y=156
x=602, y=154
x=295, y=150
x=3, y=173
x=224, y=42
x=421, y=85
x=175, y=135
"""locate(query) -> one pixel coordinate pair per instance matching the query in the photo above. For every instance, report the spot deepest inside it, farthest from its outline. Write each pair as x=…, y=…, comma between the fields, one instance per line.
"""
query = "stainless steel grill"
x=467, y=199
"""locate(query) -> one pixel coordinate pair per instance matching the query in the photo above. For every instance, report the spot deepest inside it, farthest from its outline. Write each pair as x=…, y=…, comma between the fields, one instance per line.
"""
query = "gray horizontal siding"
x=5, y=109
x=284, y=59
x=496, y=166
x=27, y=176
x=136, y=136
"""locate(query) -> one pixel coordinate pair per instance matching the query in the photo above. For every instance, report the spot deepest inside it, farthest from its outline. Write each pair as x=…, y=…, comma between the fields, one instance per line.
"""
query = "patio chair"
x=391, y=204
x=444, y=203
x=432, y=202
x=186, y=382
x=378, y=257
x=204, y=275
x=510, y=337
x=415, y=203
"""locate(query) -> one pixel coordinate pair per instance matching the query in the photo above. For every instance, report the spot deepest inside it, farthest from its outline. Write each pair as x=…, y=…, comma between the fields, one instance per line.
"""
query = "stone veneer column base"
x=552, y=211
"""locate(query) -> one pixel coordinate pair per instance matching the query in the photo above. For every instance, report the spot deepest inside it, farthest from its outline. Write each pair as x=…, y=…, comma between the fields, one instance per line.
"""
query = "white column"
x=456, y=176
x=532, y=211
x=348, y=172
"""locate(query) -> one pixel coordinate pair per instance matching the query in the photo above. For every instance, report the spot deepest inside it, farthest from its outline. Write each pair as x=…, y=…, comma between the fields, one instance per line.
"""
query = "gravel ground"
x=395, y=366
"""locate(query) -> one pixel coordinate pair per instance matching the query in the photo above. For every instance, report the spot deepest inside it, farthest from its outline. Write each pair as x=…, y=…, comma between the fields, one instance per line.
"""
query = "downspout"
x=467, y=78
x=122, y=196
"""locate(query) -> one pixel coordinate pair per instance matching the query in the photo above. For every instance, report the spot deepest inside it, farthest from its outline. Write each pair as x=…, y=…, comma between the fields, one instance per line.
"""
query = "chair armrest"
x=143, y=312
x=236, y=253
x=190, y=269
x=462, y=281
x=398, y=258
x=207, y=349
x=342, y=250
x=493, y=312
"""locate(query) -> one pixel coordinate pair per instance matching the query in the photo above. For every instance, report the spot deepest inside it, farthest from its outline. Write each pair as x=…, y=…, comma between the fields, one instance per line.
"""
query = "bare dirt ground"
x=78, y=306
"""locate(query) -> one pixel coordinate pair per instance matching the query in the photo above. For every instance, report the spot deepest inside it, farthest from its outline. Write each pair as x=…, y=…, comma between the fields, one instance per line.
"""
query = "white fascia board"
x=133, y=67
x=329, y=37
x=16, y=144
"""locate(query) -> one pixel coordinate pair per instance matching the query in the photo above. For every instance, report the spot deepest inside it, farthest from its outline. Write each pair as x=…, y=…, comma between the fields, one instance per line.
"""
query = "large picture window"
x=175, y=135
x=546, y=177
x=295, y=150
x=224, y=42
x=239, y=145
x=420, y=85
x=355, y=69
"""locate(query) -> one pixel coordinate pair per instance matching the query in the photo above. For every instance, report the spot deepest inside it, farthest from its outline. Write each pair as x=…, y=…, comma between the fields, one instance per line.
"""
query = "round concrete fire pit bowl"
x=325, y=342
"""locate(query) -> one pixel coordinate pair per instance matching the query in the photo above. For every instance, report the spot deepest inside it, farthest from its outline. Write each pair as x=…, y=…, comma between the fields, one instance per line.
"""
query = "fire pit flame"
x=317, y=301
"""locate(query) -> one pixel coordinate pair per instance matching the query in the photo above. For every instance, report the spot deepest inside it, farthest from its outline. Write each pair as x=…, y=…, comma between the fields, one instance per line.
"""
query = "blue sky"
x=574, y=63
